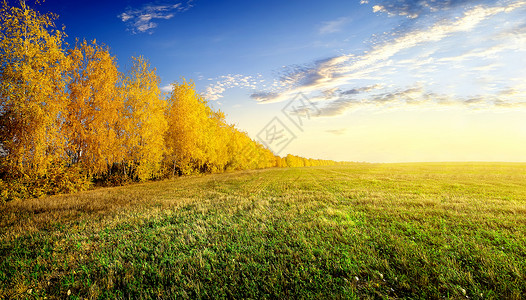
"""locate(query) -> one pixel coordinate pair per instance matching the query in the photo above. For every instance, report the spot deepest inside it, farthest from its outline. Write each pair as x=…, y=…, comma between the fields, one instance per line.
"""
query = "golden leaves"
x=146, y=125
x=74, y=109
x=93, y=108
x=32, y=88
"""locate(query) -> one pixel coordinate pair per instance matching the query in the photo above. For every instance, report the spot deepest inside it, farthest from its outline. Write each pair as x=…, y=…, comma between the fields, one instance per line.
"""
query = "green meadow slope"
x=452, y=230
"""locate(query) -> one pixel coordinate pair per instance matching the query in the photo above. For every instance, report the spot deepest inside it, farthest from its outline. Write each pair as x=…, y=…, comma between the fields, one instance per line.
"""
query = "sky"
x=356, y=80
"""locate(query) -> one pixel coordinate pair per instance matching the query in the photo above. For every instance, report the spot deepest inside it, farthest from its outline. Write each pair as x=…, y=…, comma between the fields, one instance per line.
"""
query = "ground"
x=436, y=230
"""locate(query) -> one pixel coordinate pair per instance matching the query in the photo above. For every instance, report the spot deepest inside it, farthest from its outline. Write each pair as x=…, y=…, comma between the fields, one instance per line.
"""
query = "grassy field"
x=454, y=230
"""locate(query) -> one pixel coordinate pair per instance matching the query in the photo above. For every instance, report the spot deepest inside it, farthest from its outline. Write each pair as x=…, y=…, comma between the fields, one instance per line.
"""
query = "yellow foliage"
x=70, y=117
x=32, y=85
x=145, y=123
x=187, y=125
x=93, y=108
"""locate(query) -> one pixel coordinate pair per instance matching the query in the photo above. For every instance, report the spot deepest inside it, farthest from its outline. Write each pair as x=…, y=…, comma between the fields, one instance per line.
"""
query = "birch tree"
x=32, y=82
x=146, y=123
x=93, y=108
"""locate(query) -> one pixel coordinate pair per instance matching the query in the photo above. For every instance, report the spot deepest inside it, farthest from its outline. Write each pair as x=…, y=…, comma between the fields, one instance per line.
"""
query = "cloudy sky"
x=356, y=80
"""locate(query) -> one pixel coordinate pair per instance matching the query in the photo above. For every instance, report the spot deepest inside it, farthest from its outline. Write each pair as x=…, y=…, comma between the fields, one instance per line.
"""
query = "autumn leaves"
x=32, y=88
x=71, y=111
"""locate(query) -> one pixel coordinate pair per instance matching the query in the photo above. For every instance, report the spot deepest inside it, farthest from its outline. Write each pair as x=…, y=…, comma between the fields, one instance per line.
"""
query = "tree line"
x=69, y=118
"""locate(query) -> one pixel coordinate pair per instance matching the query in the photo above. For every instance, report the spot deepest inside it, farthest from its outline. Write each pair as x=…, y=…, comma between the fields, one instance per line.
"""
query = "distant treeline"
x=69, y=118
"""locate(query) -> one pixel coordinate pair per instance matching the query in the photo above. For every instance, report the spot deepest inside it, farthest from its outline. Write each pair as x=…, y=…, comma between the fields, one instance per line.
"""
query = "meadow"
x=433, y=230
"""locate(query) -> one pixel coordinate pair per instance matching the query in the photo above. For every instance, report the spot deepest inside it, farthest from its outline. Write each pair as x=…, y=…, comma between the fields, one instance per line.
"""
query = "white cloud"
x=388, y=62
x=264, y=96
x=333, y=26
x=125, y=17
x=215, y=90
x=413, y=9
x=143, y=19
x=166, y=88
x=355, y=91
x=378, y=8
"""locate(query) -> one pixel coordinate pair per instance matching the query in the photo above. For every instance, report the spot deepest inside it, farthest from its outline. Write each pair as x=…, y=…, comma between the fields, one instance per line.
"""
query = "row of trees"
x=69, y=117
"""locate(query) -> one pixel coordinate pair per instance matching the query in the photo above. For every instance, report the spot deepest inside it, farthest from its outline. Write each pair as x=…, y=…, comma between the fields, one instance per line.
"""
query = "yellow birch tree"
x=145, y=120
x=32, y=84
x=94, y=108
x=187, y=125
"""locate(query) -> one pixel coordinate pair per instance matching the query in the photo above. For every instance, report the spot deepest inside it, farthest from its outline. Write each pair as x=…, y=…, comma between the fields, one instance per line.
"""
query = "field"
x=449, y=230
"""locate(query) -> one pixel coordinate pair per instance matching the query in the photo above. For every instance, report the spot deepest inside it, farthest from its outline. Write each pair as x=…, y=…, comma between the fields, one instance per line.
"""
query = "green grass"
x=452, y=230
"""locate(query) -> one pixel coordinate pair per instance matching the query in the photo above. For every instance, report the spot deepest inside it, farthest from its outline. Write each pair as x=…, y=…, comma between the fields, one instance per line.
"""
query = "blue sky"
x=376, y=80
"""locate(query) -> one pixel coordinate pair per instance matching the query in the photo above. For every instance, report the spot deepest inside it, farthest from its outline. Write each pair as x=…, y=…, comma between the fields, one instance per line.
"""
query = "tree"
x=187, y=119
x=146, y=124
x=93, y=109
x=32, y=83
x=216, y=147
